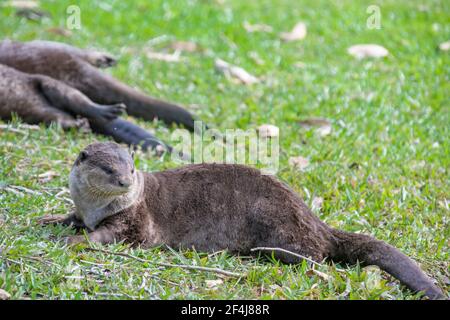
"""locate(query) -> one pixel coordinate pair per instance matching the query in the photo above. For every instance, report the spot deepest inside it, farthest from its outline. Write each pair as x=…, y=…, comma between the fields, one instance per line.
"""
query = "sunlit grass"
x=383, y=170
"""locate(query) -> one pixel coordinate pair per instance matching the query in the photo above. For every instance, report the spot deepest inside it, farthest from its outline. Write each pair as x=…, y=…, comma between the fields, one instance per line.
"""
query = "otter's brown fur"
x=216, y=206
x=37, y=98
x=77, y=68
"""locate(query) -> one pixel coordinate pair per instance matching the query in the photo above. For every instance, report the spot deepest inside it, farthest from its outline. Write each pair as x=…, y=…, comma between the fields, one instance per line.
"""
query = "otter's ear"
x=82, y=156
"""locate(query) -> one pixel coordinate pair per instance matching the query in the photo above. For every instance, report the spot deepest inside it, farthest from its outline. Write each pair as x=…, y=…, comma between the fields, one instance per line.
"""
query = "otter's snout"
x=124, y=182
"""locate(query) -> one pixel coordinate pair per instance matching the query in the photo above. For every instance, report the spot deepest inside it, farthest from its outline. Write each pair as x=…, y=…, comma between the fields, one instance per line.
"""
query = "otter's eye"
x=108, y=170
x=132, y=170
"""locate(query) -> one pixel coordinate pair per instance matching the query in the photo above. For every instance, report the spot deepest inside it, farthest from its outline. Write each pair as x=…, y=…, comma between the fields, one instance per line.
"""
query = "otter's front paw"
x=102, y=60
x=73, y=240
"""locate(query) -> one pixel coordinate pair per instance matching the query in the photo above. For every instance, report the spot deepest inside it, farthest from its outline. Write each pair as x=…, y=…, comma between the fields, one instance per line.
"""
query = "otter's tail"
x=138, y=104
x=126, y=132
x=352, y=247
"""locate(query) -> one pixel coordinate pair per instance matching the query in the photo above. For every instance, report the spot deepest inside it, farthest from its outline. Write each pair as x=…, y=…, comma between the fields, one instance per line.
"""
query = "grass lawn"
x=383, y=169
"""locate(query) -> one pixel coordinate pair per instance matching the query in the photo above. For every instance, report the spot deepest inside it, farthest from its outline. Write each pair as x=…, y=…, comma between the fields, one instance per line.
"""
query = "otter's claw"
x=111, y=112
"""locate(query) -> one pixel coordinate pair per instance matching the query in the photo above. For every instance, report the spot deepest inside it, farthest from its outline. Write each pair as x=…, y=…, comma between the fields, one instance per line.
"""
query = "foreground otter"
x=77, y=68
x=213, y=207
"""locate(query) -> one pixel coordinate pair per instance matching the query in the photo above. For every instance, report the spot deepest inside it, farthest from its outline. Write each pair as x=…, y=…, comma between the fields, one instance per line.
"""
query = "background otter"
x=77, y=68
x=41, y=99
x=213, y=207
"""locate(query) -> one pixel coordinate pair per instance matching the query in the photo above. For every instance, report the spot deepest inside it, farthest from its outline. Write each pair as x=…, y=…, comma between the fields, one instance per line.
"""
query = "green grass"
x=390, y=116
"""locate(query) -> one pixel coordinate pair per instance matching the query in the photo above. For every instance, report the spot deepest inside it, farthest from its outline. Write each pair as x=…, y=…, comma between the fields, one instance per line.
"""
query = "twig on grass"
x=19, y=263
x=21, y=126
x=182, y=266
x=285, y=251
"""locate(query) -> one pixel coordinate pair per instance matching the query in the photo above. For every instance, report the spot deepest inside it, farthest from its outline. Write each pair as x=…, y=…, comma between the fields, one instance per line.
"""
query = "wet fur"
x=212, y=207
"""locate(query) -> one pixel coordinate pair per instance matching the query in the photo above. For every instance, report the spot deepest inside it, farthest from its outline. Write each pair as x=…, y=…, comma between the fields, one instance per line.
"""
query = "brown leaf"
x=60, y=31
x=299, y=162
x=256, y=58
x=184, y=46
x=47, y=176
x=373, y=278
x=314, y=272
x=268, y=130
x=361, y=51
x=323, y=126
x=213, y=284
x=297, y=33
x=175, y=57
x=21, y=4
x=4, y=295
x=258, y=27
x=299, y=64
x=235, y=72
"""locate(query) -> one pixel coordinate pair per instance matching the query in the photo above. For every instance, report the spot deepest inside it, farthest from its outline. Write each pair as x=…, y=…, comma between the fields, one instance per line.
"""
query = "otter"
x=37, y=98
x=77, y=68
x=212, y=207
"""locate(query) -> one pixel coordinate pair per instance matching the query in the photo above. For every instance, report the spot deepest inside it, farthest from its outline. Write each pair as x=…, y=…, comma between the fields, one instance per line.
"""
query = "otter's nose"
x=124, y=183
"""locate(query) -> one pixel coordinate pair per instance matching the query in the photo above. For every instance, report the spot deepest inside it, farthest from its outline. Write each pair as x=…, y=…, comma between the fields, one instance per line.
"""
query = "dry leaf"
x=213, y=284
x=316, y=203
x=274, y=287
x=299, y=163
x=235, y=72
x=299, y=64
x=4, y=295
x=256, y=58
x=184, y=46
x=175, y=57
x=320, y=274
x=445, y=46
x=60, y=31
x=47, y=176
x=297, y=33
x=361, y=51
x=322, y=126
x=268, y=130
x=21, y=4
x=373, y=278
x=259, y=27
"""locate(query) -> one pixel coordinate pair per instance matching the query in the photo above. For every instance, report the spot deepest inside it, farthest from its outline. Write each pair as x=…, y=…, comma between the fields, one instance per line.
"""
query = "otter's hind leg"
x=42, y=112
x=71, y=100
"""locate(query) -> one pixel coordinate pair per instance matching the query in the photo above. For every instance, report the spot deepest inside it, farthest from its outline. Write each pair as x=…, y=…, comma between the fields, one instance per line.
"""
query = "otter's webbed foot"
x=110, y=112
x=102, y=60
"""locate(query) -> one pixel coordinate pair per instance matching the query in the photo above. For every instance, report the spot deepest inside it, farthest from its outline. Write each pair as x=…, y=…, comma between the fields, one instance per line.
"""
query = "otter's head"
x=105, y=169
